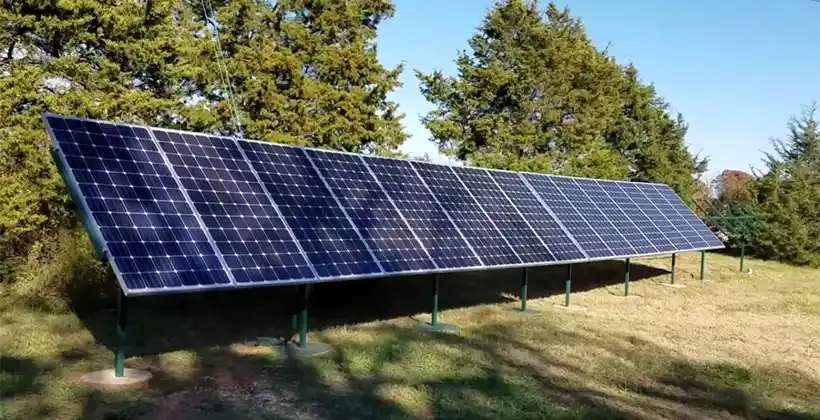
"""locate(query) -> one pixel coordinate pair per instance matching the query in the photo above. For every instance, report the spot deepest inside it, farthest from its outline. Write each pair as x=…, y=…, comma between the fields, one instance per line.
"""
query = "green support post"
x=673, y=268
x=524, y=291
x=119, y=357
x=303, y=348
x=702, y=264
x=626, y=278
x=434, y=325
x=434, y=315
x=303, y=316
x=742, y=254
x=568, y=285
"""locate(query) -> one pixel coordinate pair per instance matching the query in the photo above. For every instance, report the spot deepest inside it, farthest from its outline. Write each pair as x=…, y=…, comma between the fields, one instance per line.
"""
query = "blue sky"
x=736, y=69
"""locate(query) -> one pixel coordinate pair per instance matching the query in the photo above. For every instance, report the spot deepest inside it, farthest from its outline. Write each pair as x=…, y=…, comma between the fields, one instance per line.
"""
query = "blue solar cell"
x=514, y=229
x=419, y=207
x=616, y=216
x=468, y=216
x=654, y=214
x=575, y=223
x=594, y=217
x=706, y=235
x=691, y=236
x=153, y=237
x=542, y=222
x=634, y=213
x=370, y=209
x=329, y=239
x=233, y=205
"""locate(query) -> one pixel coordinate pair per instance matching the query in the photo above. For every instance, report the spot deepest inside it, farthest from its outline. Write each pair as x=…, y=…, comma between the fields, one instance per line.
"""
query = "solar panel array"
x=178, y=211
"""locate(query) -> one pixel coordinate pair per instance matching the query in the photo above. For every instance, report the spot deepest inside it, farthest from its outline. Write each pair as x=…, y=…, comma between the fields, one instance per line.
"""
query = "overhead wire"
x=210, y=16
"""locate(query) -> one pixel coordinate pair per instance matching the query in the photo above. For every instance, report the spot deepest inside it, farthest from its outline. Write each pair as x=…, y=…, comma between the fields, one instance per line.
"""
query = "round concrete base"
x=572, y=308
x=309, y=350
x=674, y=286
x=527, y=311
x=445, y=328
x=131, y=378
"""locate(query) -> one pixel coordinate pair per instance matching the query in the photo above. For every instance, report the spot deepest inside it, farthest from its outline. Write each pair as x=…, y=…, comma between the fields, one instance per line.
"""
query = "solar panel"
x=514, y=229
x=593, y=215
x=644, y=224
x=542, y=222
x=616, y=216
x=570, y=217
x=331, y=242
x=437, y=233
x=672, y=215
x=243, y=222
x=645, y=204
x=468, y=216
x=706, y=235
x=382, y=226
x=152, y=235
x=176, y=211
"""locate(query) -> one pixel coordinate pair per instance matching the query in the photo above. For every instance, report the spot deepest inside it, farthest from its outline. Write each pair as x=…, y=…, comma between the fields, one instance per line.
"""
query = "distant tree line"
x=533, y=93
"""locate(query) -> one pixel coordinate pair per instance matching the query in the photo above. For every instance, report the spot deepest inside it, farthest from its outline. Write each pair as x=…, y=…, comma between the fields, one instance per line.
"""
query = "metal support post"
x=742, y=254
x=702, y=264
x=626, y=278
x=434, y=325
x=303, y=316
x=434, y=316
x=673, y=268
x=568, y=285
x=119, y=358
x=524, y=291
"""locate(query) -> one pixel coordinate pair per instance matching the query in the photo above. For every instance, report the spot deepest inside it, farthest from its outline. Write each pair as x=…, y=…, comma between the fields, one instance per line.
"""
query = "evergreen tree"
x=534, y=94
x=304, y=72
x=789, y=195
x=652, y=142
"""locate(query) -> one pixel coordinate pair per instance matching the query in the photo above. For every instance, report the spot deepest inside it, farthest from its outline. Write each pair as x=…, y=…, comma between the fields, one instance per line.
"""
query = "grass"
x=740, y=346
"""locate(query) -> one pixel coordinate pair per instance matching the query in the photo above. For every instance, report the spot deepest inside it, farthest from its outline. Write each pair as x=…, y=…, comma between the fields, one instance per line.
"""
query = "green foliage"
x=60, y=271
x=789, y=195
x=535, y=94
x=652, y=142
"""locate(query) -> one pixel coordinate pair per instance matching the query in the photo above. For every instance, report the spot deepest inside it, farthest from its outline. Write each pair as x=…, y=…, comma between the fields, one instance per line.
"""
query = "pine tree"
x=789, y=194
x=652, y=141
x=533, y=94
x=303, y=72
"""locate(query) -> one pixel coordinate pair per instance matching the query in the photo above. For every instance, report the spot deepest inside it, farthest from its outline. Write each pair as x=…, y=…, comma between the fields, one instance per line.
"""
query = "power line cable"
x=210, y=15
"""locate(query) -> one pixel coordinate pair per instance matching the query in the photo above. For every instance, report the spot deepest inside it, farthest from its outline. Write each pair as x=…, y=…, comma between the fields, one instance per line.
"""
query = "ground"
x=739, y=346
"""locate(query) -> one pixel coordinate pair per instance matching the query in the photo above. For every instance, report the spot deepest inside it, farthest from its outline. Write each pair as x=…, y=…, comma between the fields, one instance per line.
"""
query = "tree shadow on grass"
x=159, y=324
x=495, y=372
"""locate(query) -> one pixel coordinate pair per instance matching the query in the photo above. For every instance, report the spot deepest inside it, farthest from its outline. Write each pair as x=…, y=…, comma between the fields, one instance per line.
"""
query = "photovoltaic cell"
x=657, y=218
x=465, y=212
x=563, y=209
x=694, y=239
x=544, y=224
x=419, y=207
x=686, y=213
x=152, y=235
x=616, y=216
x=637, y=216
x=381, y=225
x=504, y=215
x=244, y=224
x=327, y=236
x=593, y=216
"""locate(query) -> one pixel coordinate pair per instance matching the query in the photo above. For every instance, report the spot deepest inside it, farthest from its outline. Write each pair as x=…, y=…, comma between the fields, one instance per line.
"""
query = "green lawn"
x=740, y=346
